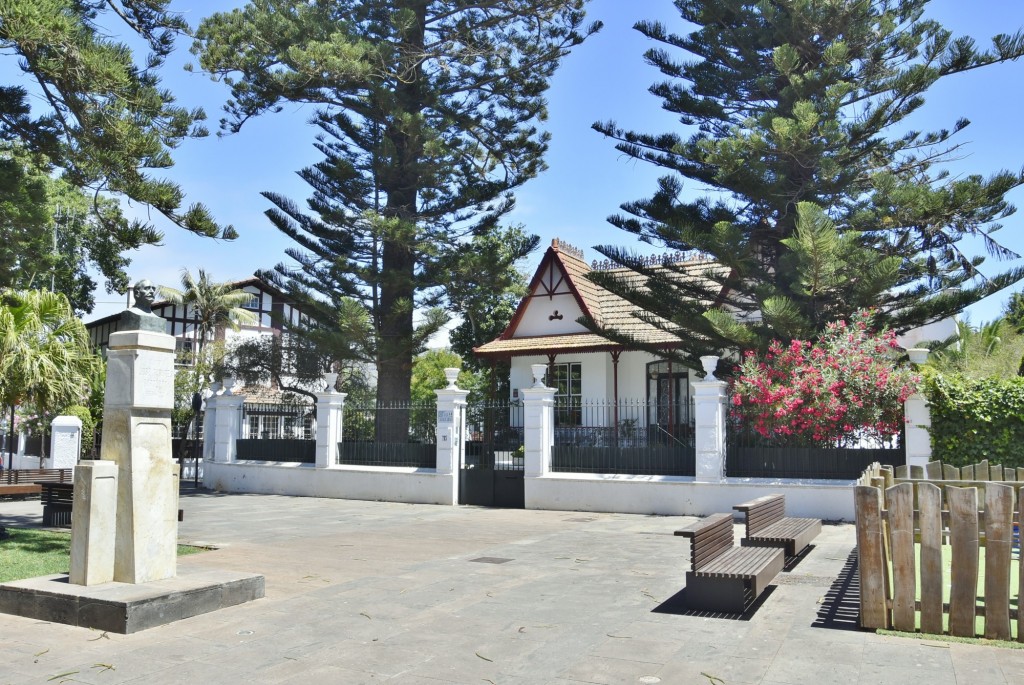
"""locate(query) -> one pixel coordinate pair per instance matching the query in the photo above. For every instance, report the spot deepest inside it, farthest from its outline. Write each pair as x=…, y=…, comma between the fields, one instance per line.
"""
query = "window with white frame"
x=568, y=383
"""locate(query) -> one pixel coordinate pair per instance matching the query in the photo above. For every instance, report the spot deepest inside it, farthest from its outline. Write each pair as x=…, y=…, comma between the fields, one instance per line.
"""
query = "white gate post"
x=918, y=442
x=709, y=406
x=451, y=430
x=330, y=416
x=538, y=425
x=227, y=413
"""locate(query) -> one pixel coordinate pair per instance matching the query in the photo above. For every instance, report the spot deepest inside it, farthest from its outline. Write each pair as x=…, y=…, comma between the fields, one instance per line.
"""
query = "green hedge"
x=976, y=419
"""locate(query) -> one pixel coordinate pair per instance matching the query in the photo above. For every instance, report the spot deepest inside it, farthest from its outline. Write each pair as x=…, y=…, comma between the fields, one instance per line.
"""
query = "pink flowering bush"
x=842, y=389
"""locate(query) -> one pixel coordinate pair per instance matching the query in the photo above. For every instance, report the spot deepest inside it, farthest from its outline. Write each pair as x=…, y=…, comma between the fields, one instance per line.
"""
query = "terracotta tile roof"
x=576, y=271
x=607, y=309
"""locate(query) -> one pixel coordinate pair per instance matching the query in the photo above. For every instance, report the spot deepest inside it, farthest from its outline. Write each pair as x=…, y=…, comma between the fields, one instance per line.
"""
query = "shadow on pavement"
x=840, y=609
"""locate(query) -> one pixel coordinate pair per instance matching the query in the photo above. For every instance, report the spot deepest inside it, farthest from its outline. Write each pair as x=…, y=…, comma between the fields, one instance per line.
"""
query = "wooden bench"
x=723, y=577
x=768, y=526
x=26, y=481
x=57, y=499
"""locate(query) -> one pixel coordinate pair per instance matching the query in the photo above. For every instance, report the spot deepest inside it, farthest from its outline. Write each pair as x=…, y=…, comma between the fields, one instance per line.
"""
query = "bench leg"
x=715, y=594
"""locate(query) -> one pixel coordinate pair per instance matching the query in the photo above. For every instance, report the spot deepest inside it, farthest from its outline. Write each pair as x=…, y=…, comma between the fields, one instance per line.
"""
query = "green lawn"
x=29, y=552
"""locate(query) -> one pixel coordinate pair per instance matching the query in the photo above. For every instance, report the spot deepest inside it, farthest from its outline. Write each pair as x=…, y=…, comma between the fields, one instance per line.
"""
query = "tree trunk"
x=400, y=182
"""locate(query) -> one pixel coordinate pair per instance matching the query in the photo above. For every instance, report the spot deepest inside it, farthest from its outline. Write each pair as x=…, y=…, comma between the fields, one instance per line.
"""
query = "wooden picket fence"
x=905, y=517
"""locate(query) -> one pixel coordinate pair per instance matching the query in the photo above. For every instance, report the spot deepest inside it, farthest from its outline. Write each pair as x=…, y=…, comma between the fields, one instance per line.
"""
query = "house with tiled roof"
x=585, y=366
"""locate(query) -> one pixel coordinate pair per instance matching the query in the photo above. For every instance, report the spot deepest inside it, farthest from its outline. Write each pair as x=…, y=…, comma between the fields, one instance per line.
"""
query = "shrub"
x=844, y=388
x=976, y=419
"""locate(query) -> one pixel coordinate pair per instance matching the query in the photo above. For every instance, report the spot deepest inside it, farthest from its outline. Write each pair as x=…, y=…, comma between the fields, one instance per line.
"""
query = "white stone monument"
x=137, y=437
x=65, y=442
x=124, y=535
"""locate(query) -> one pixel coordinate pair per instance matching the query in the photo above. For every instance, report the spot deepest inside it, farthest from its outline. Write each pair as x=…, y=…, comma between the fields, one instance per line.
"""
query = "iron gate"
x=492, y=470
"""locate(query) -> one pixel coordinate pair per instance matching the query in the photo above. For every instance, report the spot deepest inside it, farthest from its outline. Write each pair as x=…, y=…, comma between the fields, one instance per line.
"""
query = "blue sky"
x=587, y=179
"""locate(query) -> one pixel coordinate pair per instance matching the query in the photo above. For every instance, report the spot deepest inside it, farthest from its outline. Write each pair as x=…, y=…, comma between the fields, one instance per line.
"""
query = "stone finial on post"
x=538, y=425
x=330, y=418
x=710, y=401
x=451, y=429
x=918, y=442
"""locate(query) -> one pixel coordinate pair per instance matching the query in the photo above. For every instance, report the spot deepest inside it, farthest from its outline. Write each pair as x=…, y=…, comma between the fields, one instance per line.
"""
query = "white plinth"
x=93, y=523
x=137, y=436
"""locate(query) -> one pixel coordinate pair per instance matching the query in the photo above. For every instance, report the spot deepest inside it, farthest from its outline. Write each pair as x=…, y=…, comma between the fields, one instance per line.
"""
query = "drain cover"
x=789, y=579
x=491, y=560
x=580, y=520
x=648, y=679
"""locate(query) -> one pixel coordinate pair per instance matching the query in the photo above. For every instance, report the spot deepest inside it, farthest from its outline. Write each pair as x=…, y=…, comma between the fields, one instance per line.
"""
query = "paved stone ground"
x=370, y=592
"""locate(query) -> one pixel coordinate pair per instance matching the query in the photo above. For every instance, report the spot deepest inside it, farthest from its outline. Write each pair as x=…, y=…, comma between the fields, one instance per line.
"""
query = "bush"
x=844, y=388
x=976, y=419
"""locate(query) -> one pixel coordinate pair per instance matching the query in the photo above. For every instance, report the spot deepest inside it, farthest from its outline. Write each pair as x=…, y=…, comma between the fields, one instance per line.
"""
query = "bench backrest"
x=24, y=476
x=709, y=537
x=58, y=493
x=763, y=512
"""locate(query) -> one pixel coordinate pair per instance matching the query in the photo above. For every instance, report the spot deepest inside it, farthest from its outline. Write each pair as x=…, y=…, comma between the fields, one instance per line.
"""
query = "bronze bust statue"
x=140, y=316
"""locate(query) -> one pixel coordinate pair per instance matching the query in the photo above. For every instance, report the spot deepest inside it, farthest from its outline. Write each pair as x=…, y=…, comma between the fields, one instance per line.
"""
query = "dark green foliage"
x=92, y=112
x=427, y=114
x=790, y=103
x=52, y=233
x=975, y=419
x=290, y=362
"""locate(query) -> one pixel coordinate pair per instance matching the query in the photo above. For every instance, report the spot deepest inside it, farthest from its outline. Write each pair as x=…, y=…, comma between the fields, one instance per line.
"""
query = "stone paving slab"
x=372, y=592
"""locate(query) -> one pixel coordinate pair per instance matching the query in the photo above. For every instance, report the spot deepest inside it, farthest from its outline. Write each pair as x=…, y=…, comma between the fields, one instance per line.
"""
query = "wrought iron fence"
x=495, y=435
x=390, y=434
x=265, y=421
x=750, y=455
x=625, y=437
x=277, y=432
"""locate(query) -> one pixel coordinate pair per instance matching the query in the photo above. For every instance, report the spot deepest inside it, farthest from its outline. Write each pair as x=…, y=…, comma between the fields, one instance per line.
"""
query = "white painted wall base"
x=682, y=496
x=375, y=484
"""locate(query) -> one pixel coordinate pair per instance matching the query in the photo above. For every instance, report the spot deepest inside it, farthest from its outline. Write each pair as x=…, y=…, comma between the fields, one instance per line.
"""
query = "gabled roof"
x=604, y=307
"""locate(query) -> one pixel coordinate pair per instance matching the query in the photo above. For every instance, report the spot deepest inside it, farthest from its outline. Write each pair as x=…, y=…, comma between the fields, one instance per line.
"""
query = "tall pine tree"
x=94, y=113
x=800, y=104
x=428, y=113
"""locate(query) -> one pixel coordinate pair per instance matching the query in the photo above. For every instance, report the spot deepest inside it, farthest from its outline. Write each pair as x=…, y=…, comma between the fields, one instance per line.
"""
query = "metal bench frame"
x=723, y=577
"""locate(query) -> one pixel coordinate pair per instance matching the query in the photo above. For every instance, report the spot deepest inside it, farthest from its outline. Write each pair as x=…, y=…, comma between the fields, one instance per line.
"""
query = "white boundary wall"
x=682, y=496
x=375, y=484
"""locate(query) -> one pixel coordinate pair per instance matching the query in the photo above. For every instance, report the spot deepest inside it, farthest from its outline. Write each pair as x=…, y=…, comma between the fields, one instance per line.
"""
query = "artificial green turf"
x=30, y=552
x=979, y=621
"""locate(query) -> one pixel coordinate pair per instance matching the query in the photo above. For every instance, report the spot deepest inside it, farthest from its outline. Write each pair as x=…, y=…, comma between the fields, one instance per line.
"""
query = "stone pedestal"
x=538, y=430
x=709, y=407
x=65, y=442
x=137, y=436
x=330, y=415
x=451, y=431
x=93, y=523
x=224, y=418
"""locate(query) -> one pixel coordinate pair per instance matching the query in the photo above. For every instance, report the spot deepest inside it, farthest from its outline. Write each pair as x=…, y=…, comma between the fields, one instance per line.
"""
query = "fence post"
x=227, y=413
x=709, y=406
x=209, y=421
x=451, y=429
x=538, y=425
x=918, y=442
x=330, y=416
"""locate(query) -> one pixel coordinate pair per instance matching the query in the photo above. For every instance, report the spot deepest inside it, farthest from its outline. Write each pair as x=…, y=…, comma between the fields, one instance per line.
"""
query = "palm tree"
x=215, y=306
x=45, y=360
